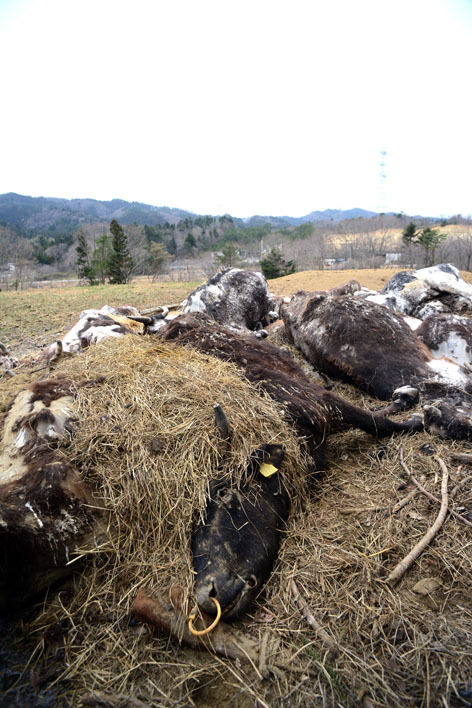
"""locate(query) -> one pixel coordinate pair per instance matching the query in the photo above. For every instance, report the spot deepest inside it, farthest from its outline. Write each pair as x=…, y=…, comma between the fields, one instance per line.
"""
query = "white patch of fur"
x=364, y=292
x=448, y=371
x=96, y=334
x=195, y=303
x=431, y=308
x=412, y=322
x=454, y=347
x=39, y=522
x=450, y=282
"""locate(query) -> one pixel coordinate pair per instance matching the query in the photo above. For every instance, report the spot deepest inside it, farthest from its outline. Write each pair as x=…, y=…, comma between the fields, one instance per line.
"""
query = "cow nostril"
x=251, y=582
x=212, y=592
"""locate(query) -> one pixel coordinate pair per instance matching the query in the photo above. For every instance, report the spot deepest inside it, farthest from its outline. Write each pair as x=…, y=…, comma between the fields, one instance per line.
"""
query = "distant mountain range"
x=326, y=215
x=32, y=215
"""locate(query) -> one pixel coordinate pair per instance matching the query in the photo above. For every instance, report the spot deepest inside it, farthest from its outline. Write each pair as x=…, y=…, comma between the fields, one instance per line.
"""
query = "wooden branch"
x=156, y=308
x=167, y=620
x=430, y=496
x=310, y=618
x=461, y=457
x=404, y=564
x=459, y=485
x=438, y=501
x=402, y=462
x=262, y=666
x=399, y=505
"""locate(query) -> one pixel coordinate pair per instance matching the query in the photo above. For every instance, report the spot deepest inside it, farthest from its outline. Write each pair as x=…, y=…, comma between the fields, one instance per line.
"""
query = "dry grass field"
x=325, y=279
x=31, y=319
x=379, y=645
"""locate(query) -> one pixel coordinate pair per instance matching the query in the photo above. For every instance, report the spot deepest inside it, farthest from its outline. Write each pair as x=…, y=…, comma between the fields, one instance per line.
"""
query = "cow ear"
x=312, y=305
x=265, y=461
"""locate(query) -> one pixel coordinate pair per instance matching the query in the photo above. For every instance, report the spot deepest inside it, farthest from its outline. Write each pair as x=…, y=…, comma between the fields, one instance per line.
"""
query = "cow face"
x=235, y=548
x=449, y=418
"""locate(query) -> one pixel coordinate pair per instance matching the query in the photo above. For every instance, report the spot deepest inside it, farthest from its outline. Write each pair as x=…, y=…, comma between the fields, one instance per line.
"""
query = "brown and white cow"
x=92, y=327
x=239, y=299
x=45, y=508
x=374, y=349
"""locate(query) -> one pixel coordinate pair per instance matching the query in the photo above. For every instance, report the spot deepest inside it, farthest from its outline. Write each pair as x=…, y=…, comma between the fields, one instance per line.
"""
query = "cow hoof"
x=405, y=397
x=416, y=423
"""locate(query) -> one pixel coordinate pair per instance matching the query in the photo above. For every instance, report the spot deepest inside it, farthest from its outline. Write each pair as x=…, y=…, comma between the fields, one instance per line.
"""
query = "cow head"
x=448, y=419
x=235, y=548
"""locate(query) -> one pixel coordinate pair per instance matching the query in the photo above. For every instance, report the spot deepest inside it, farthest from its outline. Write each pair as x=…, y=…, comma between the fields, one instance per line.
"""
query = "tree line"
x=110, y=260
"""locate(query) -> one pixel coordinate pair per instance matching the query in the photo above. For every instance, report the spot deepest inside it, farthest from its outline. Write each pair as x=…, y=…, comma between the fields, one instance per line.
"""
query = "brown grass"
x=31, y=319
x=325, y=279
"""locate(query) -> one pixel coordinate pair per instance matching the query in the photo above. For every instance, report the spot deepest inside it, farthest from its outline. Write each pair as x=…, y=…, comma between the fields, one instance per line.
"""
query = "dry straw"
x=147, y=444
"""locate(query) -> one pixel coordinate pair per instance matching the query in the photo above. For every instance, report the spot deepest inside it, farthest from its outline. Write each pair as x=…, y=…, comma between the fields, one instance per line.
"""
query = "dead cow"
x=239, y=299
x=315, y=411
x=93, y=326
x=234, y=550
x=373, y=348
x=448, y=335
x=439, y=288
x=224, y=569
x=44, y=505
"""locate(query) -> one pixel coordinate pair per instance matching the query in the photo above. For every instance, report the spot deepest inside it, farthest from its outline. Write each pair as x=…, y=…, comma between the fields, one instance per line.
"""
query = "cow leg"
x=374, y=423
x=404, y=398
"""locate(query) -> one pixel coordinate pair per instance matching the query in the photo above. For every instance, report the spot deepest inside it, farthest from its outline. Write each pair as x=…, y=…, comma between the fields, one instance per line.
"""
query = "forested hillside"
x=39, y=239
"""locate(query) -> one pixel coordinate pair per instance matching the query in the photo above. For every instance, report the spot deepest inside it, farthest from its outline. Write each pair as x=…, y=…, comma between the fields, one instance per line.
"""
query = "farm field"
x=31, y=319
x=374, y=278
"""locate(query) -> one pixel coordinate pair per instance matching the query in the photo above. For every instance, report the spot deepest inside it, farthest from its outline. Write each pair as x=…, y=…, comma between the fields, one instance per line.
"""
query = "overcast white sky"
x=241, y=107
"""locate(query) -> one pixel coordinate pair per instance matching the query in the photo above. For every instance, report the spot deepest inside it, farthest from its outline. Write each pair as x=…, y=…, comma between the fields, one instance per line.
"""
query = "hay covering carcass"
x=145, y=443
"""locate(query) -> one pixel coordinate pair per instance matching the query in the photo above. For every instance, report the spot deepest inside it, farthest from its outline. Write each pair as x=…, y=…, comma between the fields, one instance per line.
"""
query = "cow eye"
x=251, y=582
x=224, y=495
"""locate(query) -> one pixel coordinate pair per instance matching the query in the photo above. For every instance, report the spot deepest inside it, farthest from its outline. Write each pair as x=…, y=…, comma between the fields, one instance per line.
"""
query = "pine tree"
x=120, y=264
x=275, y=266
x=429, y=240
x=189, y=242
x=229, y=256
x=171, y=245
x=101, y=258
x=84, y=269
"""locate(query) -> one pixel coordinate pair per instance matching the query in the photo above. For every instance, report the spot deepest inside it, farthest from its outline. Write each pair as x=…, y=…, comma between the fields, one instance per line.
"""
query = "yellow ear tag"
x=267, y=470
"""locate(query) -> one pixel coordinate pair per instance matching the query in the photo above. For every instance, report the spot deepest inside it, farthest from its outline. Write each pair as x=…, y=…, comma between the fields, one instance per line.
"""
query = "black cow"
x=233, y=552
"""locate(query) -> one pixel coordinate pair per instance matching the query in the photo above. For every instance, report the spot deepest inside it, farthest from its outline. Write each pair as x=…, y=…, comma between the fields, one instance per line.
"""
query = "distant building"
x=392, y=258
x=333, y=261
